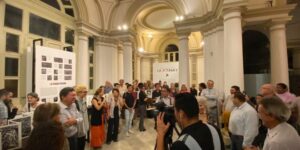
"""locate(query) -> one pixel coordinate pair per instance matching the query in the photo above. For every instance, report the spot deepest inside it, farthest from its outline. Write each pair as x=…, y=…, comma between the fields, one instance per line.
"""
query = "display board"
x=168, y=72
x=54, y=70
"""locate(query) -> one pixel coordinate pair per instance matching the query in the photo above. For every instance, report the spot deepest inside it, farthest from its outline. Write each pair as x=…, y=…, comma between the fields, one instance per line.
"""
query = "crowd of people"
x=268, y=121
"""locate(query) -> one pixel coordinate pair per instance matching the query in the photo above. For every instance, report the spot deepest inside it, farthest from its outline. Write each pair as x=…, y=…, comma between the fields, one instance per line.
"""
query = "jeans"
x=128, y=118
x=142, y=111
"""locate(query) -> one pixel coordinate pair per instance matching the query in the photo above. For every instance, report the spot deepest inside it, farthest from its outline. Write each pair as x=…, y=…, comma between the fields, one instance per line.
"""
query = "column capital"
x=105, y=39
x=233, y=9
x=183, y=35
x=82, y=35
x=278, y=23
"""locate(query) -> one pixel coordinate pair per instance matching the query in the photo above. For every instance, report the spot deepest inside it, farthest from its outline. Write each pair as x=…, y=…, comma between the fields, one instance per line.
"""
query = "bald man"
x=267, y=90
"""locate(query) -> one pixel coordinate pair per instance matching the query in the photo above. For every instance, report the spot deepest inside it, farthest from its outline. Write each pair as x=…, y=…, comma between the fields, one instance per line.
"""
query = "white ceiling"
x=161, y=19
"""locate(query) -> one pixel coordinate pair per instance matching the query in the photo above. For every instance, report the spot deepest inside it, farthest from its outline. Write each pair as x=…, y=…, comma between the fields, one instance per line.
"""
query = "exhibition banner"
x=54, y=70
x=168, y=72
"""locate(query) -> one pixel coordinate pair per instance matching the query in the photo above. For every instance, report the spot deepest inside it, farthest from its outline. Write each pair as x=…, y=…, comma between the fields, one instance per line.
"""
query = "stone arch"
x=256, y=52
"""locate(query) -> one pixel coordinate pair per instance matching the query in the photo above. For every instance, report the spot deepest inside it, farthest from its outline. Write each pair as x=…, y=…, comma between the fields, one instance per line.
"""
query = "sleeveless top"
x=96, y=115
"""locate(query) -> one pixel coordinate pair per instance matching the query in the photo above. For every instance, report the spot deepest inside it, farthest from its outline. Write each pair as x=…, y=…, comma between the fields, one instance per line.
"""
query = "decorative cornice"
x=293, y=43
x=266, y=14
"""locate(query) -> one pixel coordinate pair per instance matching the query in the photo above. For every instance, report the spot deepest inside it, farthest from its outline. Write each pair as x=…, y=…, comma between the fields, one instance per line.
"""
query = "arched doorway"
x=256, y=55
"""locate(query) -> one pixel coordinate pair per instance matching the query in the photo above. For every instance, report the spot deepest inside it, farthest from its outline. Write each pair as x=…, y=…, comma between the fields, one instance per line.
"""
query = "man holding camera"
x=195, y=135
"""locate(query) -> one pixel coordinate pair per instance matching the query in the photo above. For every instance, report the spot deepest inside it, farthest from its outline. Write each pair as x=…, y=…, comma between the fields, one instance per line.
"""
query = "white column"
x=184, y=60
x=200, y=68
x=82, y=67
x=279, y=59
x=138, y=67
x=120, y=64
x=127, y=62
x=98, y=64
x=219, y=58
x=106, y=62
x=233, y=50
x=146, y=67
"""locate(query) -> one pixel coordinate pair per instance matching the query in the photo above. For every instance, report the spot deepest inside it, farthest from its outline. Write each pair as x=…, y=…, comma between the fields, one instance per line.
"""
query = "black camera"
x=169, y=117
x=169, y=112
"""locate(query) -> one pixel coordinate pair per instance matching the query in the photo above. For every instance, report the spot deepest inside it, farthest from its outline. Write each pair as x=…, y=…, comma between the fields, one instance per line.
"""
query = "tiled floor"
x=136, y=141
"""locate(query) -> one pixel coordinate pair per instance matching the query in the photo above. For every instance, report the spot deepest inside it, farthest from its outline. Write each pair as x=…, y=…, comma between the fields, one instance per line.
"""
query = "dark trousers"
x=113, y=129
x=236, y=142
x=73, y=143
x=142, y=112
x=81, y=143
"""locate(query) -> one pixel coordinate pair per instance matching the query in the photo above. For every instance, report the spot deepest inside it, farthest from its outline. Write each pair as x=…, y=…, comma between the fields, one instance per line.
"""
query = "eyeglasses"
x=84, y=91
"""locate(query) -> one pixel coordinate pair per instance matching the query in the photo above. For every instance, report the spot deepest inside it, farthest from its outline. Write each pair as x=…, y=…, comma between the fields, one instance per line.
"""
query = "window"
x=66, y=2
x=12, y=42
x=91, y=71
x=69, y=11
x=11, y=66
x=171, y=53
x=91, y=60
x=69, y=36
x=13, y=17
x=53, y=3
x=44, y=27
x=12, y=86
x=91, y=43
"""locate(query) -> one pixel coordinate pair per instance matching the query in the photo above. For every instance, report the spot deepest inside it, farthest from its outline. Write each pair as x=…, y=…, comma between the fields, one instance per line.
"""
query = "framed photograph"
x=25, y=125
x=11, y=136
x=44, y=58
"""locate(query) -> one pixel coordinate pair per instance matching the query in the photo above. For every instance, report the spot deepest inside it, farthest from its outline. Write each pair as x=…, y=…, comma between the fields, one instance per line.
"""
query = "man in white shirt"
x=168, y=100
x=243, y=123
x=212, y=96
x=69, y=116
x=228, y=105
x=281, y=136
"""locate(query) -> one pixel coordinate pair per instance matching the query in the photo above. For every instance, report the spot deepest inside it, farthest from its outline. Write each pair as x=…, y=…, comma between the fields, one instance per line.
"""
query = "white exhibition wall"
x=168, y=72
x=54, y=70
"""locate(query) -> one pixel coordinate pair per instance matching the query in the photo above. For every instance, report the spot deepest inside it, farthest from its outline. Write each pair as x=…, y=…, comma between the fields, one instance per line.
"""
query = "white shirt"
x=212, y=96
x=31, y=109
x=112, y=104
x=66, y=113
x=282, y=137
x=169, y=101
x=244, y=122
x=210, y=93
x=122, y=89
x=83, y=127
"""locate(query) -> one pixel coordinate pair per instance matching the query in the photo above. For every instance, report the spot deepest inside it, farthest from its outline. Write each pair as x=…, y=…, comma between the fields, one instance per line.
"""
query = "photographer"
x=195, y=135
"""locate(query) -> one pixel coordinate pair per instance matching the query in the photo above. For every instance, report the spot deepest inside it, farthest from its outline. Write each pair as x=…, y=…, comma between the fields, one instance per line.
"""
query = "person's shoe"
x=144, y=130
x=108, y=142
x=130, y=131
x=127, y=134
x=116, y=140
